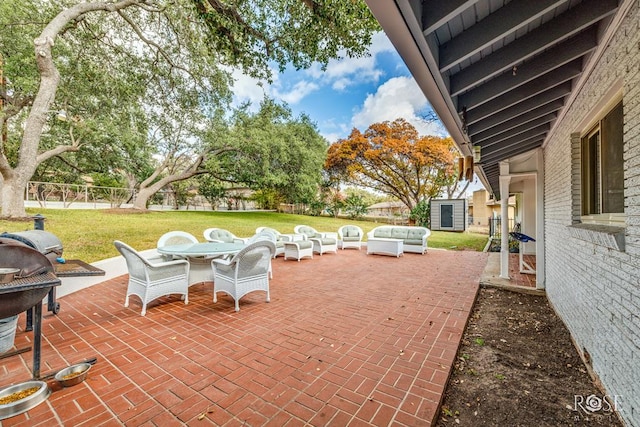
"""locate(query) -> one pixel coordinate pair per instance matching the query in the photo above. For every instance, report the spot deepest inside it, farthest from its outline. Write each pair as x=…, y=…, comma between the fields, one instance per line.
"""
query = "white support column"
x=504, y=225
x=540, y=261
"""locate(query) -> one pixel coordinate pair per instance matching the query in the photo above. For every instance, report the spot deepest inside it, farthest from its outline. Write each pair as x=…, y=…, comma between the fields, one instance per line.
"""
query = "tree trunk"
x=142, y=197
x=12, y=196
x=15, y=179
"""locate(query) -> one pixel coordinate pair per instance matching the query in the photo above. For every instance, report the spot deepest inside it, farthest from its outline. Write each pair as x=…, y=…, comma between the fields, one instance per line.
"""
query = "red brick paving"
x=517, y=278
x=347, y=339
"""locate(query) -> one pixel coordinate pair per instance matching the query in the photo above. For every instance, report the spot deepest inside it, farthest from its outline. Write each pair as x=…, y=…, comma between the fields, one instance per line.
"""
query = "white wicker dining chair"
x=151, y=280
x=269, y=236
x=246, y=272
x=175, y=238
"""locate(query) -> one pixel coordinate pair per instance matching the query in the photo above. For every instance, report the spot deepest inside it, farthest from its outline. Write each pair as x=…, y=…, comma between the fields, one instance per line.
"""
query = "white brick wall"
x=596, y=290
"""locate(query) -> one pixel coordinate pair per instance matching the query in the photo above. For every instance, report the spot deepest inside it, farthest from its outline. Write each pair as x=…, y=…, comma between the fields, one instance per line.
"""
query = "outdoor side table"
x=23, y=294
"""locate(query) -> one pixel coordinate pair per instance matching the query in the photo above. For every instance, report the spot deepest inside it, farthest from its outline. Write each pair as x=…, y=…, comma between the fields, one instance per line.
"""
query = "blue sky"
x=351, y=92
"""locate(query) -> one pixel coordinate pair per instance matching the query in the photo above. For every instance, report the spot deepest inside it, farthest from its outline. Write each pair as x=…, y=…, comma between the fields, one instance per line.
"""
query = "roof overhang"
x=498, y=73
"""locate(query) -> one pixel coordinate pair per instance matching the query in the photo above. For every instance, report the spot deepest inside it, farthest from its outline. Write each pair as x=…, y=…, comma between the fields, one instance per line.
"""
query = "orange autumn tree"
x=392, y=158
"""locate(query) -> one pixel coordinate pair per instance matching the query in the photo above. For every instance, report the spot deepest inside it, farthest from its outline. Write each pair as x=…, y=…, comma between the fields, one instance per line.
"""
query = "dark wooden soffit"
x=497, y=72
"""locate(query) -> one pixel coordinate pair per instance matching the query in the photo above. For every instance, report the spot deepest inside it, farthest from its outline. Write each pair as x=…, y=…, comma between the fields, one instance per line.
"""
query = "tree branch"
x=233, y=15
x=158, y=48
x=60, y=149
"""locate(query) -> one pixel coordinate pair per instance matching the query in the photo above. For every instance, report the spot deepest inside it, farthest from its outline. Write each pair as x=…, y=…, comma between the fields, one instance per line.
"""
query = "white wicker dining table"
x=199, y=256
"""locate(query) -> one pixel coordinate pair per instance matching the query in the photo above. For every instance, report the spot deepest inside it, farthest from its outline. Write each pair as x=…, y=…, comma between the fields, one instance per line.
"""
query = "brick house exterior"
x=595, y=286
x=588, y=261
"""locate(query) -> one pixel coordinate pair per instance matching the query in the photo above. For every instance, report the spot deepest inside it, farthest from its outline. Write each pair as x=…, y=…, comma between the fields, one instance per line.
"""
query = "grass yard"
x=89, y=234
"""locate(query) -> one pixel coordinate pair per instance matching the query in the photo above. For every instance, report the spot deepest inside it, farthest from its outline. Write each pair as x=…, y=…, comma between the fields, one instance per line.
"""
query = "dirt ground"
x=517, y=366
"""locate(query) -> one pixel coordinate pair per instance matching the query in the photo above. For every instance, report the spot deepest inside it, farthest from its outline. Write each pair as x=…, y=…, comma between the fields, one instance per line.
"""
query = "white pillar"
x=504, y=225
x=540, y=261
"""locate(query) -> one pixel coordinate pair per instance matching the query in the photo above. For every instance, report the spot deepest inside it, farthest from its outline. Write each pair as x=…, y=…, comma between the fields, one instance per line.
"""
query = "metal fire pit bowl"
x=23, y=405
x=76, y=373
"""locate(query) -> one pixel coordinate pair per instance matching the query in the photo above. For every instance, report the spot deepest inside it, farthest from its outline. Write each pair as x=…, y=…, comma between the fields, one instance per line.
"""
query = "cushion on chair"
x=398, y=233
x=305, y=244
x=412, y=242
x=350, y=232
x=307, y=231
x=415, y=234
x=351, y=239
x=384, y=233
x=279, y=238
x=328, y=241
x=249, y=264
x=222, y=235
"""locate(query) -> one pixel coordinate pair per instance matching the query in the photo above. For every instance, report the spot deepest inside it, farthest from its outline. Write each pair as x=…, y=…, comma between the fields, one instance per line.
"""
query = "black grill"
x=44, y=242
x=34, y=252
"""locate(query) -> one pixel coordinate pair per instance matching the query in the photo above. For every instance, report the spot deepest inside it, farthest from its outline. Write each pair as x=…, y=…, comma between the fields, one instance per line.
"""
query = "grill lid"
x=44, y=242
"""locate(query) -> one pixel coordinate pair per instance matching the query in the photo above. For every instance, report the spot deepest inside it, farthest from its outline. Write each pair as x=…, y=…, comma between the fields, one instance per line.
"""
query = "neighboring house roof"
x=388, y=205
x=499, y=73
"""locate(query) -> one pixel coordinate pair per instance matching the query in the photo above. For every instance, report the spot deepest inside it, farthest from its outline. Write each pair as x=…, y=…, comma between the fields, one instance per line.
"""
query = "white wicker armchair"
x=223, y=236
x=280, y=238
x=150, y=281
x=322, y=242
x=351, y=236
x=246, y=272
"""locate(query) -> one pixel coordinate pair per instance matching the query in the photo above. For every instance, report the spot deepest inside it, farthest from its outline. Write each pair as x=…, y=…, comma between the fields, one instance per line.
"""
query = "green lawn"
x=89, y=234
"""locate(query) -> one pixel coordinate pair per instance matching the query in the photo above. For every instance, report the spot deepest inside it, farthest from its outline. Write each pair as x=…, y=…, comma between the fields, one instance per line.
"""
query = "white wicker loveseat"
x=384, y=237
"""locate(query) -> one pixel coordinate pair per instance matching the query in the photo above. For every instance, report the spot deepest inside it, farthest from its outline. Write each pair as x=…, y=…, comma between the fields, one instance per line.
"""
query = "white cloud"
x=332, y=136
x=334, y=130
x=341, y=84
x=247, y=88
x=381, y=43
x=298, y=92
x=344, y=72
x=399, y=97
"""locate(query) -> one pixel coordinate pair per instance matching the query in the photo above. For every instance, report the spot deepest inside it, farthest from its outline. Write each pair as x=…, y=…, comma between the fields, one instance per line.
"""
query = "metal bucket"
x=7, y=333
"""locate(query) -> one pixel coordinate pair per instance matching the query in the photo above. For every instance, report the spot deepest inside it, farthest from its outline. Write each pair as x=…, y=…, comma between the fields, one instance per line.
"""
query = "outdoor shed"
x=449, y=214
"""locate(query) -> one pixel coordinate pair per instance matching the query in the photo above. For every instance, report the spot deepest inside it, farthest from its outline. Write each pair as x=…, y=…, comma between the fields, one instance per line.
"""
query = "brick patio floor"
x=347, y=339
x=518, y=279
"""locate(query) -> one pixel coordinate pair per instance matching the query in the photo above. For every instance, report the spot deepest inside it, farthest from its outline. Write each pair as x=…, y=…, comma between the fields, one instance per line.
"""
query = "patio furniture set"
x=238, y=266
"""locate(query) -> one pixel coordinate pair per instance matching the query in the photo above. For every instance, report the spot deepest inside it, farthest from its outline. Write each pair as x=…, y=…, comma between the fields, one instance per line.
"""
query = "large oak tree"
x=392, y=158
x=271, y=150
x=155, y=54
